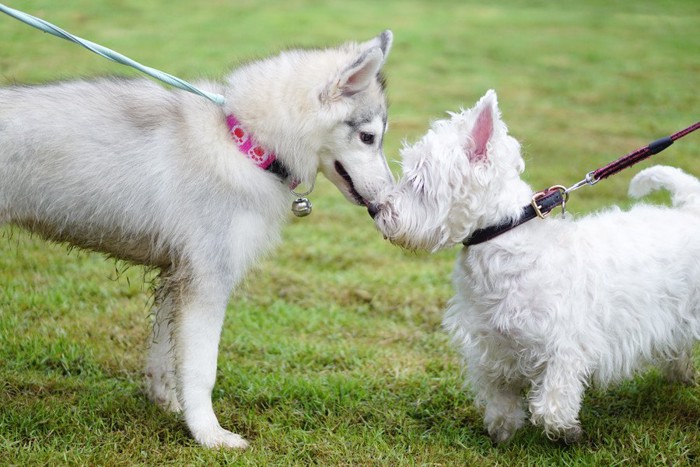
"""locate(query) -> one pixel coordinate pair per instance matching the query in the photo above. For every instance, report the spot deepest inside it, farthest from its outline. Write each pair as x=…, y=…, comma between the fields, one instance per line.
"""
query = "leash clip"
x=590, y=180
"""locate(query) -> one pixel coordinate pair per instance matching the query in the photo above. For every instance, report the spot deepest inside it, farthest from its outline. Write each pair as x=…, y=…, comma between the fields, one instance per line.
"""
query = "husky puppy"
x=550, y=305
x=171, y=181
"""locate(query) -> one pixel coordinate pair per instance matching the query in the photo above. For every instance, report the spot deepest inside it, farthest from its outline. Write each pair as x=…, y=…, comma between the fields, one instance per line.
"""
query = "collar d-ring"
x=299, y=195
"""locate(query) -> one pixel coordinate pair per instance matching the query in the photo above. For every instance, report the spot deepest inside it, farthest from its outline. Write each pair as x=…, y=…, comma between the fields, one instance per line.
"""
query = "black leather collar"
x=542, y=203
x=279, y=169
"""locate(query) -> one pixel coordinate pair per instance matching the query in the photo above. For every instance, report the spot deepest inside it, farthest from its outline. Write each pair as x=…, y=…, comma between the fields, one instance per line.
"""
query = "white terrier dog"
x=169, y=180
x=552, y=304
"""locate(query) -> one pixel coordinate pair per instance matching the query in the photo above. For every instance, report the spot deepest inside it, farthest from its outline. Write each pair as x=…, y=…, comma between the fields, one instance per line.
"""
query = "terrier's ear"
x=482, y=131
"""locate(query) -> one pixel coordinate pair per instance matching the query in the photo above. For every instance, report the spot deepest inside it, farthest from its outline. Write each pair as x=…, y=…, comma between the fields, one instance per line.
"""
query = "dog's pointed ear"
x=358, y=75
x=384, y=41
x=482, y=131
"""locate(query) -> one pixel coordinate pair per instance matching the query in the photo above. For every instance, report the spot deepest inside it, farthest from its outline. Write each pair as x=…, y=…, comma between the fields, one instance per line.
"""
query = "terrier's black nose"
x=373, y=209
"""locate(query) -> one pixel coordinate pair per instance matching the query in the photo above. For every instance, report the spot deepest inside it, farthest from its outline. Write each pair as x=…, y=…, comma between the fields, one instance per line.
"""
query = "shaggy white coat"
x=151, y=176
x=554, y=304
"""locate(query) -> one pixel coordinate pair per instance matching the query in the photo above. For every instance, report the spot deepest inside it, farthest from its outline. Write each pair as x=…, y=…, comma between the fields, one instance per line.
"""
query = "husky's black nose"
x=373, y=209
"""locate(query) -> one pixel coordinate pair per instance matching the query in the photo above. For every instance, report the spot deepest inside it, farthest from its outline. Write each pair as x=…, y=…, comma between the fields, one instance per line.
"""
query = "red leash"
x=632, y=158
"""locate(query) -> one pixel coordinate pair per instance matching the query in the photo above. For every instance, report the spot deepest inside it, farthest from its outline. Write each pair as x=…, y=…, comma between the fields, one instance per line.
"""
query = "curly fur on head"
x=458, y=178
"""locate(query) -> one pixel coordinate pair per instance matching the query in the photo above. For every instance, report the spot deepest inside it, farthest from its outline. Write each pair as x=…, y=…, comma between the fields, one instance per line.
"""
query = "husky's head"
x=321, y=110
x=463, y=175
x=354, y=104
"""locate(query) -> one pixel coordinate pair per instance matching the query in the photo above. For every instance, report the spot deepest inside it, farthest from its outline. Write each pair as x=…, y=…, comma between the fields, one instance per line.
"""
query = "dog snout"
x=373, y=209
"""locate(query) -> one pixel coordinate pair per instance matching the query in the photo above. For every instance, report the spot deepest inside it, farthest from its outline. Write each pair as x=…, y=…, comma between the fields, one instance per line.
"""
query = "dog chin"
x=347, y=186
x=353, y=197
x=396, y=229
x=411, y=242
x=388, y=224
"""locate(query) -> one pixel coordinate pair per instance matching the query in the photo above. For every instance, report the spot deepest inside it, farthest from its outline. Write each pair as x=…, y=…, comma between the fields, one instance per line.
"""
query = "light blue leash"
x=110, y=54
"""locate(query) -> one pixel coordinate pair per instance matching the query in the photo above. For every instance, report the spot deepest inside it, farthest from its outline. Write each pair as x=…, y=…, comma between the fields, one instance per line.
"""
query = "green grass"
x=332, y=352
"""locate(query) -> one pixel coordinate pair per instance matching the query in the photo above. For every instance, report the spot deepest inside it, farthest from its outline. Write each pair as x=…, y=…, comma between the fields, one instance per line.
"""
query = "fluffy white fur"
x=545, y=309
x=151, y=176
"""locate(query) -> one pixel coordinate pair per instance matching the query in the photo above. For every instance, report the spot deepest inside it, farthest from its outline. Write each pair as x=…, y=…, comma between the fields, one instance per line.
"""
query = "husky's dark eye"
x=367, y=138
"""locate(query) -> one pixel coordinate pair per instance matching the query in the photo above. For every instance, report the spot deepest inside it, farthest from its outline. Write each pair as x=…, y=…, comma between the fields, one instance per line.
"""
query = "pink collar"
x=260, y=155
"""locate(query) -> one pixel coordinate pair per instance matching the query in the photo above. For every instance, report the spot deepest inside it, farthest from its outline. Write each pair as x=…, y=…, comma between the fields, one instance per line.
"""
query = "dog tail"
x=684, y=188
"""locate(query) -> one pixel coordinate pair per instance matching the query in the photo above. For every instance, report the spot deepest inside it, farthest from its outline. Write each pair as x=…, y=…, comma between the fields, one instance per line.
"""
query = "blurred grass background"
x=332, y=352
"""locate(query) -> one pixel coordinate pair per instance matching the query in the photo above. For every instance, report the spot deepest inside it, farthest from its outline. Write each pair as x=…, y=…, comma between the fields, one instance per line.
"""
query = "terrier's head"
x=453, y=180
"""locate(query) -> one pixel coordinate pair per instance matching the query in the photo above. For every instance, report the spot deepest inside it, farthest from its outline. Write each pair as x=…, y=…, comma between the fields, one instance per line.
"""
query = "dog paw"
x=573, y=436
x=502, y=431
x=569, y=435
x=681, y=372
x=168, y=402
x=501, y=436
x=217, y=437
x=688, y=379
x=161, y=391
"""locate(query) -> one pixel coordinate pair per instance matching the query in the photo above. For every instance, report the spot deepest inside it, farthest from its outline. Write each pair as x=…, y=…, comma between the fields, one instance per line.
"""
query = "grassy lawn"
x=332, y=352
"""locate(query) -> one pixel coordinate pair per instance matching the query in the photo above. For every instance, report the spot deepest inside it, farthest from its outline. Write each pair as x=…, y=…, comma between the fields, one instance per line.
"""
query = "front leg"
x=503, y=411
x=160, y=365
x=500, y=397
x=555, y=400
x=196, y=344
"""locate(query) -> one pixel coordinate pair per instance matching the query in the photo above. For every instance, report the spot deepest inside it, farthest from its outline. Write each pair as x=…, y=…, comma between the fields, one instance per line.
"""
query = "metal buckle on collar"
x=541, y=194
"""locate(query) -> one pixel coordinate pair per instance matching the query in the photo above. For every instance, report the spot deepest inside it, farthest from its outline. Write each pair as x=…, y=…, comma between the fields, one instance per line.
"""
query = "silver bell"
x=301, y=207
